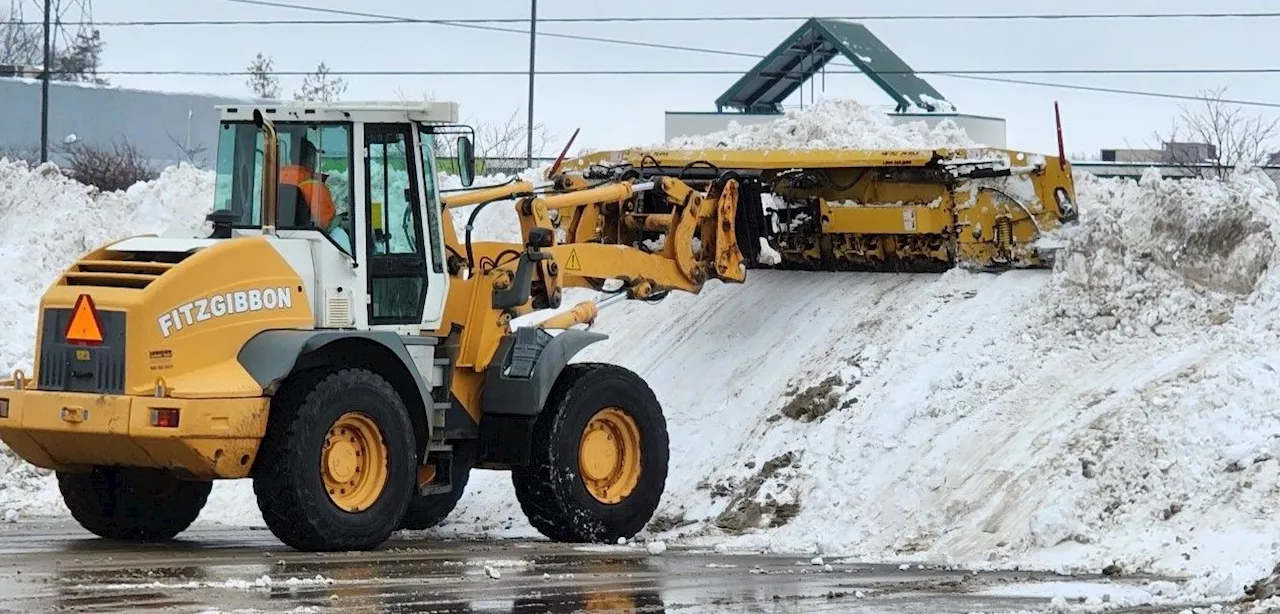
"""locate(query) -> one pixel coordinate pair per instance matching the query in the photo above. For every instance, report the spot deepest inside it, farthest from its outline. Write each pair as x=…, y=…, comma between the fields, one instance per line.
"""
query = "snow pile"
x=1117, y=412
x=496, y=221
x=831, y=124
x=47, y=221
x=1163, y=254
x=1067, y=420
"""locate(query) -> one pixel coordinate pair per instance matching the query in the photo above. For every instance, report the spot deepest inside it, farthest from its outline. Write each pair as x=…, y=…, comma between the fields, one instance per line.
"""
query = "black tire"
x=550, y=489
x=750, y=223
x=134, y=504
x=428, y=511
x=287, y=480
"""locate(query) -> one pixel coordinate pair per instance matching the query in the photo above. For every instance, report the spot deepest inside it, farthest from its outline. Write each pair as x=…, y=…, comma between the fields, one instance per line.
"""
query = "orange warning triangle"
x=84, y=327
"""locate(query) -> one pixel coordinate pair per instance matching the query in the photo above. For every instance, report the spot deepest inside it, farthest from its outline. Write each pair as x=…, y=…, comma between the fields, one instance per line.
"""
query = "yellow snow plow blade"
x=918, y=210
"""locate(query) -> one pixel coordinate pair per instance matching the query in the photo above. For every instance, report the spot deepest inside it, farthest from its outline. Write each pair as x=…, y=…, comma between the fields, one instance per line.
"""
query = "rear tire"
x=134, y=504
x=337, y=466
x=428, y=511
x=556, y=488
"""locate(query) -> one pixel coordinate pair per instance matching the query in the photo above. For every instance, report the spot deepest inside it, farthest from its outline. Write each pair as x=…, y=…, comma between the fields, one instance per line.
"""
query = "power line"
x=669, y=19
x=678, y=72
x=1128, y=92
x=365, y=15
x=615, y=41
x=518, y=73
x=651, y=45
x=594, y=39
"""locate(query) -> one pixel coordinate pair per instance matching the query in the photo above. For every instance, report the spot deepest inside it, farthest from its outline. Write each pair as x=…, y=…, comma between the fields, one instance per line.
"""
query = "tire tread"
x=106, y=502
x=543, y=491
x=293, y=514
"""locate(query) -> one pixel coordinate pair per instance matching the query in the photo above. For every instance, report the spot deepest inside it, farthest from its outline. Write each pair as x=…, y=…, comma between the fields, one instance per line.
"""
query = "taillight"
x=164, y=417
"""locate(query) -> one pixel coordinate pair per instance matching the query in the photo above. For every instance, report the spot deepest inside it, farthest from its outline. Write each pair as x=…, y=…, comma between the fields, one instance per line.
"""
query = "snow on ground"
x=1117, y=411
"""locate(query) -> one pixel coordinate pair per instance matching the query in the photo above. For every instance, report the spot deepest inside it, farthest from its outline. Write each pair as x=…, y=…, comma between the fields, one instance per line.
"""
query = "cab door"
x=398, y=263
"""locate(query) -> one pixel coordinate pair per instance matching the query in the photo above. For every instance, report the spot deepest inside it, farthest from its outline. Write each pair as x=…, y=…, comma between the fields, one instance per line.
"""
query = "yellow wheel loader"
x=331, y=339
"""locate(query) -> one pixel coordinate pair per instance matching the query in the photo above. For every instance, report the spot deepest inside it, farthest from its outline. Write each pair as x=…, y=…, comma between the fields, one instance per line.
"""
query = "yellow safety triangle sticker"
x=572, y=263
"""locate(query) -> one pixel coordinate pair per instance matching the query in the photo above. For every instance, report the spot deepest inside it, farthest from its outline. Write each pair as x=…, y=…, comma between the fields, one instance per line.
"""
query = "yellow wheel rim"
x=353, y=463
x=609, y=455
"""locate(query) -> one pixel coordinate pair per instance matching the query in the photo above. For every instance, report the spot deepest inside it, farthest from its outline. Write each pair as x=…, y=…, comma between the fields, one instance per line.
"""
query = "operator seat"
x=291, y=209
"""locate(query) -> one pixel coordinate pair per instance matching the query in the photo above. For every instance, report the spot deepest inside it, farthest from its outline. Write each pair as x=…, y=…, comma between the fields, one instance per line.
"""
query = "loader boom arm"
x=583, y=235
x=653, y=235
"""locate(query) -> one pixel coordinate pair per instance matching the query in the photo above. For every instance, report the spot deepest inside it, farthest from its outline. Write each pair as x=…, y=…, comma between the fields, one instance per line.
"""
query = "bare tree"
x=20, y=44
x=27, y=153
x=81, y=60
x=111, y=169
x=496, y=144
x=262, y=82
x=320, y=87
x=1216, y=137
x=501, y=145
x=191, y=153
x=506, y=140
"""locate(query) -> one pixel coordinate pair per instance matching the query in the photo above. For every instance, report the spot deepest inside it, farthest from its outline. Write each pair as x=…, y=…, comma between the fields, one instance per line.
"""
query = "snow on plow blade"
x=923, y=210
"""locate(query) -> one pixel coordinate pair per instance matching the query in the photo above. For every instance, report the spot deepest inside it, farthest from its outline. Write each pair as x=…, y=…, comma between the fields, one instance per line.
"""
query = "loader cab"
x=350, y=196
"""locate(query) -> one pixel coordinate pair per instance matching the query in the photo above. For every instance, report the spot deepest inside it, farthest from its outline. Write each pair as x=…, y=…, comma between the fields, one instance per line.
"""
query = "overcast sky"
x=619, y=111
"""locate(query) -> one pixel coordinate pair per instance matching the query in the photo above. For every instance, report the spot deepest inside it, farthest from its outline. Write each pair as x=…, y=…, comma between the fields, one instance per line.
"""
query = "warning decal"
x=572, y=263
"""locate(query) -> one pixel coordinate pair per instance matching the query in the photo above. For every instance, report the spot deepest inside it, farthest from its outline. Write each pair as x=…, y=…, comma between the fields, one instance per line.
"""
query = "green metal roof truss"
x=808, y=50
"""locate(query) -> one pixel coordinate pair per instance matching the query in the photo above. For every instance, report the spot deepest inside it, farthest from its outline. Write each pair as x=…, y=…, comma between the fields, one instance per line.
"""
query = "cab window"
x=315, y=190
x=432, y=193
x=397, y=262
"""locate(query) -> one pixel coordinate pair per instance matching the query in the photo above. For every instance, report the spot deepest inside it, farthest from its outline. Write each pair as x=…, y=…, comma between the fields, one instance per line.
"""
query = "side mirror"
x=466, y=161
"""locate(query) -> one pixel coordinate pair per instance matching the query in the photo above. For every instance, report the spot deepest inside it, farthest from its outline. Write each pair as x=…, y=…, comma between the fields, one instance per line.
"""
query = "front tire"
x=599, y=457
x=337, y=466
x=134, y=504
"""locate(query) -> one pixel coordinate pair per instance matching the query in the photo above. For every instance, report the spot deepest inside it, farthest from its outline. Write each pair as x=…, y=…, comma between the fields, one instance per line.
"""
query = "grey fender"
x=270, y=356
x=525, y=368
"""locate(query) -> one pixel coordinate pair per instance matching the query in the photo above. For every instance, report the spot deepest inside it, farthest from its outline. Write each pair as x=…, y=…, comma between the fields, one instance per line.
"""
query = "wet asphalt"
x=55, y=566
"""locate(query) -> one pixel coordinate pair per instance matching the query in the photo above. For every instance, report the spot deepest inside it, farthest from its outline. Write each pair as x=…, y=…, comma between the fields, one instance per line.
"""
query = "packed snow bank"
x=47, y=221
x=1117, y=410
x=830, y=124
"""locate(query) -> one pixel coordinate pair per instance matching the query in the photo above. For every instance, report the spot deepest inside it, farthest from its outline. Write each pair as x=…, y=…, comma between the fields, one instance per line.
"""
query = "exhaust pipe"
x=270, y=170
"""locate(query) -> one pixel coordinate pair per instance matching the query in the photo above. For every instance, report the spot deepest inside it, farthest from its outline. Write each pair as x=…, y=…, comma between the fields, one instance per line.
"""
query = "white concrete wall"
x=697, y=124
x=989, y=131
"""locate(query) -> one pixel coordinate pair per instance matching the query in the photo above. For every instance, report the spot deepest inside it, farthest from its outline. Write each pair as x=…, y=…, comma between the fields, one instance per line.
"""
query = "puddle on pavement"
x=507, y=578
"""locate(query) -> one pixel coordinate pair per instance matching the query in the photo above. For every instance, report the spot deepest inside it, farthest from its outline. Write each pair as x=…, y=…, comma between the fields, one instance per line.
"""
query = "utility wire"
x=649, y=45
x=525, y=32
x=517, y=73
x=676, y=72
x=669, y=19
x=1127, y=92
x=643, y=44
